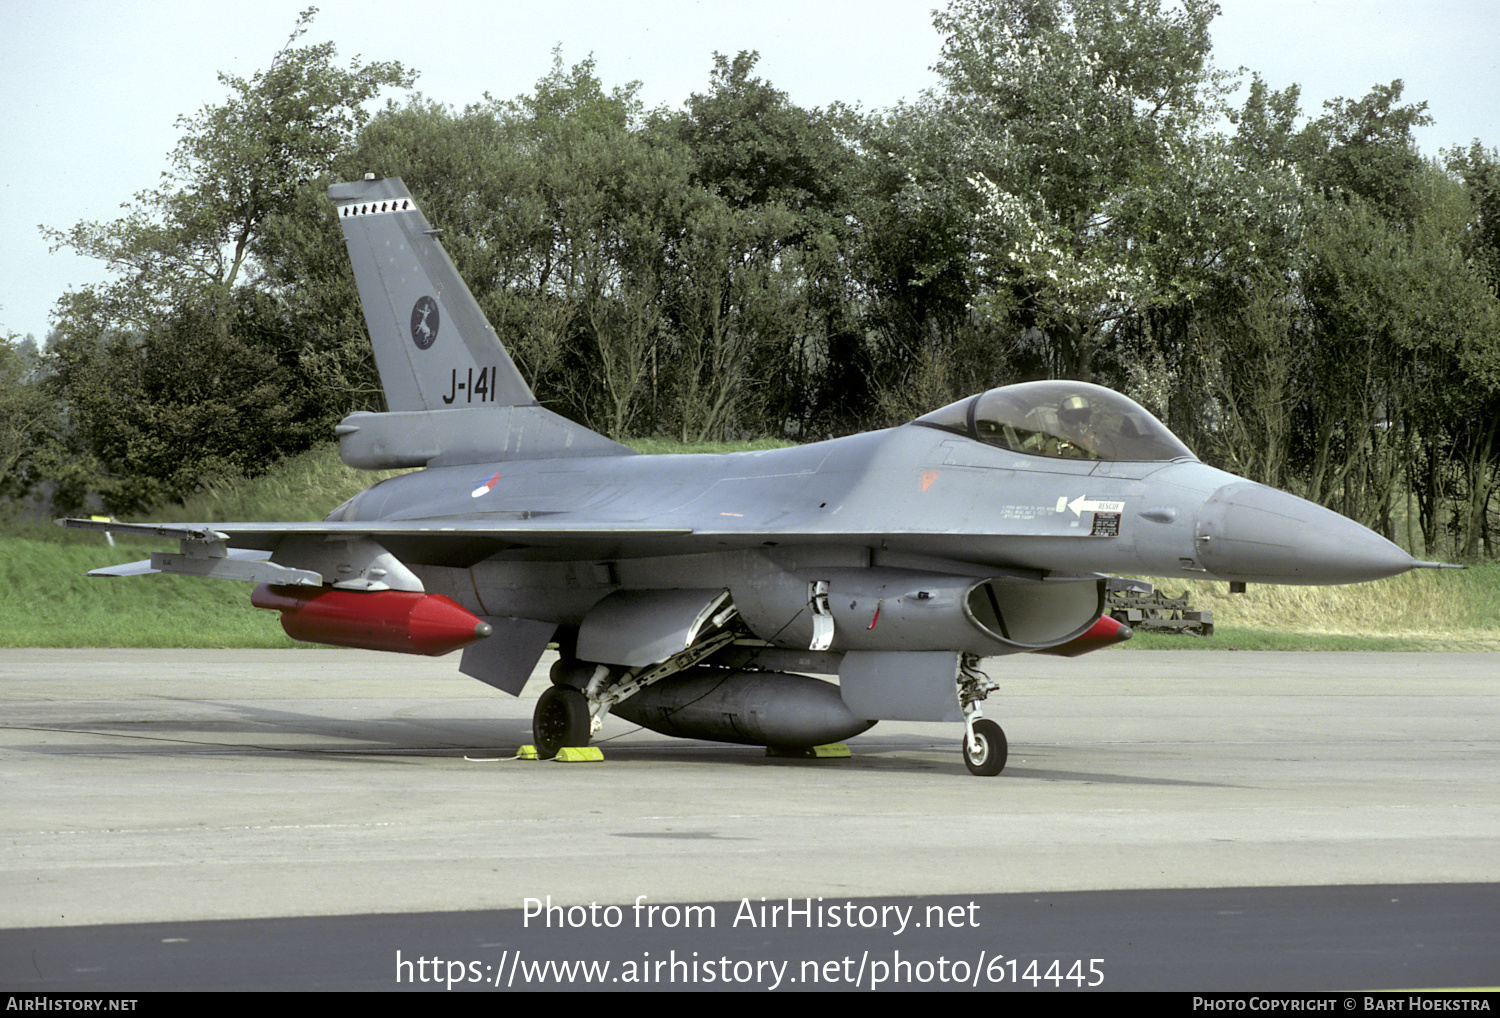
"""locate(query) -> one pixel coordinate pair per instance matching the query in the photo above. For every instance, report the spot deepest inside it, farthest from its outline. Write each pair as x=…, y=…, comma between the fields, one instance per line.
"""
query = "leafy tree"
x=1479, y=238
x=916, y=274
x=1479, y=169
x=128, y=364
x=753, y=147
x=761, y=298
x=28, y=415
x=1075, y=128
x=1240, y=342
x=238, y=164
x=164, y=410
x=1398, y=325
x=1364, y=149
x=1250, y=353
x=1401, y=359
x=307, y=307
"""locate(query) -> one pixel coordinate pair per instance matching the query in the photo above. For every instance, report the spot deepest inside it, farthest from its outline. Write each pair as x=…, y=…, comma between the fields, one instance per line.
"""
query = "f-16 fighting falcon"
x=699, y=595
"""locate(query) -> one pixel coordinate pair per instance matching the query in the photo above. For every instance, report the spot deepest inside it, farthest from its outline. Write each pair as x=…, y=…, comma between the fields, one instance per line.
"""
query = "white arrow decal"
x=1083, y=504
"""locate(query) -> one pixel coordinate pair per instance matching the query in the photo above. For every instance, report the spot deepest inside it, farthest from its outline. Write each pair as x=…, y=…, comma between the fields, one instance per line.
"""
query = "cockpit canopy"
x=1066, y=420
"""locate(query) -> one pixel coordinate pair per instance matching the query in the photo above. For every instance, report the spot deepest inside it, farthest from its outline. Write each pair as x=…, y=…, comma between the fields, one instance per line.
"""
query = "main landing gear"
x=570, y=711
x=562, y=718
x=582, y=692
x=985, y=748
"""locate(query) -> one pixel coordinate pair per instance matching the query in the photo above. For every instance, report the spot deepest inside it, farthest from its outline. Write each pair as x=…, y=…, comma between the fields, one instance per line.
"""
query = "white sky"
x=90, y=89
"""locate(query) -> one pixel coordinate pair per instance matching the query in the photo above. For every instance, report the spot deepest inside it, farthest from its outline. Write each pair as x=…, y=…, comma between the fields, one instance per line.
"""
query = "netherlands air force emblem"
x=424, y=322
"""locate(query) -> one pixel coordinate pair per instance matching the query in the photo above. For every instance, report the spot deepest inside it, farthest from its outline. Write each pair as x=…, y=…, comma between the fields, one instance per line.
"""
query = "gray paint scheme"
x=933, y=543
x=901, y=685
x=506, y=658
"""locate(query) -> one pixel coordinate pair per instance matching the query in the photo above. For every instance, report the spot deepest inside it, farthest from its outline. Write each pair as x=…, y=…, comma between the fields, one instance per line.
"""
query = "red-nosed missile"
x=404, y=621
x=1104, y=633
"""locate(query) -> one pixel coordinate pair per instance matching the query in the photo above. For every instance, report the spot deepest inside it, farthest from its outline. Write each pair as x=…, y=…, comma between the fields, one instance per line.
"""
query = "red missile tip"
x=403, y=621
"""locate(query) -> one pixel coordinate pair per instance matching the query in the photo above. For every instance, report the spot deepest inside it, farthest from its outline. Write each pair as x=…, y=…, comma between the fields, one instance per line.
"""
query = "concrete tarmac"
x=151, y=786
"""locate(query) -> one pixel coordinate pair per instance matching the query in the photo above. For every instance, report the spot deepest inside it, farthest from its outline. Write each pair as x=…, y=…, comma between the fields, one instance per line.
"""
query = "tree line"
x=1300, y=295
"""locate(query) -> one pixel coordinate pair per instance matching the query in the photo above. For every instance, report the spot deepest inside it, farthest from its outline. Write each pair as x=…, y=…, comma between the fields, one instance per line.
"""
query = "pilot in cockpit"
x=1078, y=437
x=1066, y=430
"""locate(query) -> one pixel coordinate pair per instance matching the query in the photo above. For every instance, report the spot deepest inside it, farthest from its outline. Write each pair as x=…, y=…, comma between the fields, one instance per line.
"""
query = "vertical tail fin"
x=433, y=346
x=453, y=392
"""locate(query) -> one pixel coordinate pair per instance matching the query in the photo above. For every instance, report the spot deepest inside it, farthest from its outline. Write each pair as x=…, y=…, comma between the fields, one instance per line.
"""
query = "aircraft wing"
x=310, y=554
x=266, y=536
x=241, y=551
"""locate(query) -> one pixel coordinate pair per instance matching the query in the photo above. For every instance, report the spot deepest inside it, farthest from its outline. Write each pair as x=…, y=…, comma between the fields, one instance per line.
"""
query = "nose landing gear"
x=985, y=748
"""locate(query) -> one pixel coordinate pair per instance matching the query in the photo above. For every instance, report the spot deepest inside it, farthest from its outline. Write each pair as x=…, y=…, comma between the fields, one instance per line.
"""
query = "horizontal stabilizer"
x=203, y=551
x=437, y=438
x=141, y=568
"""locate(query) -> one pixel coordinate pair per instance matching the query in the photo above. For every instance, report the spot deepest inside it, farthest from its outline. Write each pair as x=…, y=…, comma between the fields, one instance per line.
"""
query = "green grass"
x=1428, y=609
x=46, y=601
x=1246, y=638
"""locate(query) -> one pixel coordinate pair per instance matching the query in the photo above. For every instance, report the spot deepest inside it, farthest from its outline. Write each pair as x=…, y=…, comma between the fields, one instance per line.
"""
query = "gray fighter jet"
x=692, y=594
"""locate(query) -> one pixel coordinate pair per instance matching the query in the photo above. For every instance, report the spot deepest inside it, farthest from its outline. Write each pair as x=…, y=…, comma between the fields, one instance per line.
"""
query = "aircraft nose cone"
x=1250, y=532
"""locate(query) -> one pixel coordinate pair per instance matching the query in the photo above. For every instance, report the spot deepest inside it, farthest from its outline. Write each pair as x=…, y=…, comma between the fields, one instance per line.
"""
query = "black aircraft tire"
x=990, y=758
x=561, y=719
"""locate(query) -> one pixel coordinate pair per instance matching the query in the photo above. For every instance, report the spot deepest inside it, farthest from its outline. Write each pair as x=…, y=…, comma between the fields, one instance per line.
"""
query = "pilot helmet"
x=1075, y=410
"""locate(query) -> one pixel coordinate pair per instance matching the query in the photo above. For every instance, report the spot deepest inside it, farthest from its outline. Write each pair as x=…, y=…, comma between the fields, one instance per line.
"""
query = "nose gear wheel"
x=985, y=749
